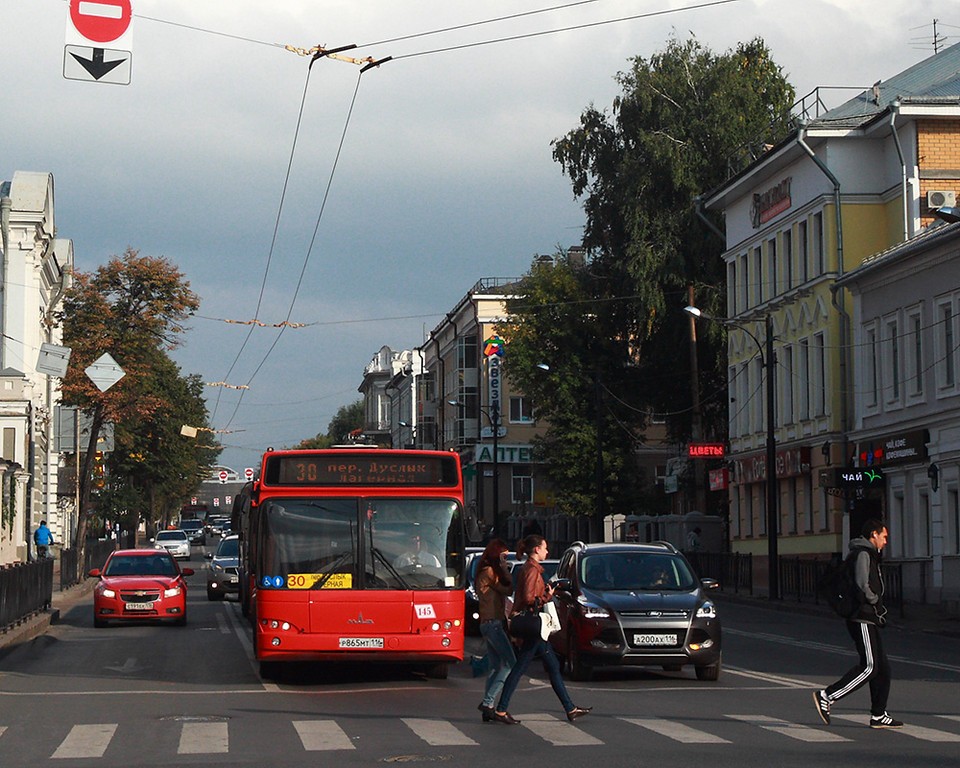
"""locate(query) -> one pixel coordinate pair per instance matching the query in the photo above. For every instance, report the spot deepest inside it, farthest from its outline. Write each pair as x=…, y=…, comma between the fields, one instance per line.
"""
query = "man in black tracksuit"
x=864, y=627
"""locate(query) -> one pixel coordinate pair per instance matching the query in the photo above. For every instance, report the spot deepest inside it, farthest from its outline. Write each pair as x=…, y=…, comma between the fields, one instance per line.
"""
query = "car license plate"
x=232, y=579
x=361, y=642
x=654, y=639
x=139, y=606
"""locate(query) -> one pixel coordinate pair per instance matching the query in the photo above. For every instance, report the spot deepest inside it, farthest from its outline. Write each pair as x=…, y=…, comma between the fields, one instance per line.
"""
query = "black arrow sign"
x=96, y=66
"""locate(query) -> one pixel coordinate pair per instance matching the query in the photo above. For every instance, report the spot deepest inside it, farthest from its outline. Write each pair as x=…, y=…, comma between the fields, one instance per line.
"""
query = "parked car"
x=194, y=530
x=175, y=542
x=222, y=572
x=637, y=605
x=140, y=585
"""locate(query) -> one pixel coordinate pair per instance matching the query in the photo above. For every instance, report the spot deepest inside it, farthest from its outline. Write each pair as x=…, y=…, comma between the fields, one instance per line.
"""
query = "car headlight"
x=216, y=567
x=591, y=611
x=172, y=592
x=707, y=611
x=108, y=592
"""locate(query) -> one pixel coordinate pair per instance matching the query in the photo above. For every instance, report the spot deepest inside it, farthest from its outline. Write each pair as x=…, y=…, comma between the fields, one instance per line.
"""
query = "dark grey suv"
x=634, y=604
x=222, y=573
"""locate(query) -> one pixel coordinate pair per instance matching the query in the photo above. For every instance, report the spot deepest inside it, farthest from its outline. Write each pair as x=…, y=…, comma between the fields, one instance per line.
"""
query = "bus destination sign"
x=353, y=469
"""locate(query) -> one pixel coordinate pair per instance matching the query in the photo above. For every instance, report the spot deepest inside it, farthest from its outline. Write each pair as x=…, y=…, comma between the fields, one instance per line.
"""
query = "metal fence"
x=95, y=554
x=25, y=589
x=734, y=570
x=799, y=578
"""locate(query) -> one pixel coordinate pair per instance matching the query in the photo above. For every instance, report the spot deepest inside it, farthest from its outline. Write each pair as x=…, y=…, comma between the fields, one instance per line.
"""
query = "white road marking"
x=86, y=741
x=916, y=731
x=203, y=739
x=558, y=733
x=786, y=728
x=222, y=623
x=676, y=731
x=438, y=733
x=322, y=735
x=787, y=682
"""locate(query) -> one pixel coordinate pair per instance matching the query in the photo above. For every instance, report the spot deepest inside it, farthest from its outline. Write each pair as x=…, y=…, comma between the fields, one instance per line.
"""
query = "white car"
x=175, y=542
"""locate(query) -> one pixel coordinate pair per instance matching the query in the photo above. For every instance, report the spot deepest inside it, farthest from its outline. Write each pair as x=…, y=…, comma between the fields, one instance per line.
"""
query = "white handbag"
x=549, y=620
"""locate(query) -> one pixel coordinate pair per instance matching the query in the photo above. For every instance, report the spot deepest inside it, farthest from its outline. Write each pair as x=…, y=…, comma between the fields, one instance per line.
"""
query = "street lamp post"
x=493, y=416
x=773, y=508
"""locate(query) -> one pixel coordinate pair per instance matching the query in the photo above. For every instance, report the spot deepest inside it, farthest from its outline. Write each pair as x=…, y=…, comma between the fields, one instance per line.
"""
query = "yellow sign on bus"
x=307, y=580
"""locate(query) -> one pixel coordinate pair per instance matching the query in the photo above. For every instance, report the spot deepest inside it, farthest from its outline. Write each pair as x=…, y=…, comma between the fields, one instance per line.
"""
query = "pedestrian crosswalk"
x=93, y=740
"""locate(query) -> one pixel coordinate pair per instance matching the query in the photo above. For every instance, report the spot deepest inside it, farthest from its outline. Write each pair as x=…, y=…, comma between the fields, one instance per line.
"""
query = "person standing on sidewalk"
x=864, y=627
x=493, y=585
x=43, y=538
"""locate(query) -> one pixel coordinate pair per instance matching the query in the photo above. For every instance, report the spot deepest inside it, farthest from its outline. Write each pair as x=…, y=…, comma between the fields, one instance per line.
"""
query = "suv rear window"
x=191, y=525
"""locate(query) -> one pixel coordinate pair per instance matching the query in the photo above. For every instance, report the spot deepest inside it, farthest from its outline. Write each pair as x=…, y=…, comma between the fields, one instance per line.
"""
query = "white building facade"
x=35, y=268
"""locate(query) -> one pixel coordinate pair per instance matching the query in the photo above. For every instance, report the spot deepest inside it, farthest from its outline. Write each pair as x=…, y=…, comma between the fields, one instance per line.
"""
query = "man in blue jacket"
x=43, y=538
x=864, y=627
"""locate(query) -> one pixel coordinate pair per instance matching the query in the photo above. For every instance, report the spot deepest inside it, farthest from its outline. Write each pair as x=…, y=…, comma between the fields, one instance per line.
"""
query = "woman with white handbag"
x=530, y=596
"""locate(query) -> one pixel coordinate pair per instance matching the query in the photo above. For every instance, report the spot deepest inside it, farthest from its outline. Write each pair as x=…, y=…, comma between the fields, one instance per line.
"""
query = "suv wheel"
x=579, y=671
x=709, y=673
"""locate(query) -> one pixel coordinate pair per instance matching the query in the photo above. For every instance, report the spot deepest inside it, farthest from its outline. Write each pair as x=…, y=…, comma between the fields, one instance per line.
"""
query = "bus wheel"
x=269, y=670
x=437, y=671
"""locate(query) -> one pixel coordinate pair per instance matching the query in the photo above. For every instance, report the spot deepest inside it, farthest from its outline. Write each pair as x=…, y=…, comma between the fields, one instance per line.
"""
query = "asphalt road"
x=169, y=696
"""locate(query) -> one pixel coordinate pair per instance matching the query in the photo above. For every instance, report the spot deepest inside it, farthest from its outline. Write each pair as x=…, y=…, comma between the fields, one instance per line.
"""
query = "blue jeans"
x=536, y=647
x=500, y=657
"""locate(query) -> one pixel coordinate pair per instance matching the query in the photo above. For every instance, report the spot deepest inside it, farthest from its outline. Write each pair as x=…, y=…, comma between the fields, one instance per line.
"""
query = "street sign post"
x=91, y=25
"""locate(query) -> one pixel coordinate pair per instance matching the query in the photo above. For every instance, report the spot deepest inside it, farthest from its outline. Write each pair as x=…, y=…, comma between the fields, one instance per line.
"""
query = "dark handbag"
x=525, y=625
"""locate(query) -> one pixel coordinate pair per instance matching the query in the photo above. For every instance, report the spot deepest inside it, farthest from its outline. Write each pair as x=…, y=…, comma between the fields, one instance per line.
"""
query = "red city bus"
x=354, y=554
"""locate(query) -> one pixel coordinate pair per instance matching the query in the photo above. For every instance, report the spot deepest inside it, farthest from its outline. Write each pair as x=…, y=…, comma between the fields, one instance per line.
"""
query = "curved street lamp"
x=773, y=512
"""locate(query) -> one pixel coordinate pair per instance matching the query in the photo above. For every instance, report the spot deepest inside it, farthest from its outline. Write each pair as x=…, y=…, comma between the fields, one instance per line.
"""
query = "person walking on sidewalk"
x=493, y=585
x=530, y=594
x=864, y=627
x=43, y=538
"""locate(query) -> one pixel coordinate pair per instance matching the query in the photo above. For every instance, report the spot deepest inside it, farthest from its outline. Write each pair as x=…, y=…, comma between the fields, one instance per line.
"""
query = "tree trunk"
x=83, y=515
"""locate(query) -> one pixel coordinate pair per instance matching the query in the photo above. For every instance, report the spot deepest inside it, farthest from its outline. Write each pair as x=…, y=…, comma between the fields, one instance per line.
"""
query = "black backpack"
x=839, y=589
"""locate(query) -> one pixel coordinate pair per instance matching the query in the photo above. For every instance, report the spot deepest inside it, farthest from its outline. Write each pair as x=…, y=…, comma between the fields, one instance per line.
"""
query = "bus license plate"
x=139, y=606
x=361, y=642
x=654, y=639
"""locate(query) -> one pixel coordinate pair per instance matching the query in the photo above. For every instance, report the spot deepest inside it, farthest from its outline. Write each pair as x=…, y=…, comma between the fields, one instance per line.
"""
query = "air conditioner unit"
x=937, y=198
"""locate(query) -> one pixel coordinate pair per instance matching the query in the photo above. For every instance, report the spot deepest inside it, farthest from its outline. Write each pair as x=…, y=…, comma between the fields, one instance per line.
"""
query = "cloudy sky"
x=443, y=173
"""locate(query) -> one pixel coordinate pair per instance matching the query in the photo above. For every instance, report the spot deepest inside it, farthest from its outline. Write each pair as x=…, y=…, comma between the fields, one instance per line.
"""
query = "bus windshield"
x=361, y=543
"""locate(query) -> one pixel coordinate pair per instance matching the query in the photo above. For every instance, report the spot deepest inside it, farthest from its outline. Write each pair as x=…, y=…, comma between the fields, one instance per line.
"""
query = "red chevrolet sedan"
x=139, y=584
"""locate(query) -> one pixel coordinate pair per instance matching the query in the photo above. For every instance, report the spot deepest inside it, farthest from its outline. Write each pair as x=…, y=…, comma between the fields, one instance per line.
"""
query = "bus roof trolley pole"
x=373, y=64
x=320, y=52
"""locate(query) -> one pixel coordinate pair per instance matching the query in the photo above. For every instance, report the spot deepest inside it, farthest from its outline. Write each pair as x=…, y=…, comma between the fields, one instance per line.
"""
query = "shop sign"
x=719, y=479
x=506, y=454
x=706, y=450
x=899, y=448
x=852, y=477
x=767, y=205
x=792, y=462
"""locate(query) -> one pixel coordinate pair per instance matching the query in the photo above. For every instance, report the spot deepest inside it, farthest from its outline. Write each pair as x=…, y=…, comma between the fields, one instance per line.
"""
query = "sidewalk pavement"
x=38, y=623
x=930, y=619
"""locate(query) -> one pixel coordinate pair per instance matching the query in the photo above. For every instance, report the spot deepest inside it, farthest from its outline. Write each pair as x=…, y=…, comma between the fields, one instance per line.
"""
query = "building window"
x=820, y=369
x=757, y=275
x=946, y=346
x=871, y=371
x=788, y=259
x=819, y=259
x=898, y=526
x=953, y=511
x=802, y=261
x=732, y=287
x=774, y=272
x=467, y=353
x=923, y=523
x=758, y=400
x=521, y=484
x=892, y=363
x=915, y=354
x=787, y=388
x=792, y=506
x=804, y=371
x=521, y=410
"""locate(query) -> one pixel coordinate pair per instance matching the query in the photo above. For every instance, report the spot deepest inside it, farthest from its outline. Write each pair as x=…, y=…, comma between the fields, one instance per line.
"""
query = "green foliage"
x=613, y=331
x=348, y=418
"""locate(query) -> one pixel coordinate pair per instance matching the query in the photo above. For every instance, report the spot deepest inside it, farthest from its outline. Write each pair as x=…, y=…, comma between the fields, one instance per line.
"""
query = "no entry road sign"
x=100, y=21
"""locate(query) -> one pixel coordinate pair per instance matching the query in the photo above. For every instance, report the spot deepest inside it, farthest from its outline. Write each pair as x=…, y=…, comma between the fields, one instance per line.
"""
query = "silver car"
x=223, y=569
x=175, y=542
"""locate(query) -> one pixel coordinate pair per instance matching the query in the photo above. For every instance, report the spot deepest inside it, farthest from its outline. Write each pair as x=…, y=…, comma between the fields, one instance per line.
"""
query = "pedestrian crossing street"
x=92, y=740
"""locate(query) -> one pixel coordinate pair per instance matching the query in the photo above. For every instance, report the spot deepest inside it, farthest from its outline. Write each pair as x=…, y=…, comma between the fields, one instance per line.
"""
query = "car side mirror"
x=186, y=571
x=563, y=585
x=710, y=584
x=93, y=572
x=208, y=555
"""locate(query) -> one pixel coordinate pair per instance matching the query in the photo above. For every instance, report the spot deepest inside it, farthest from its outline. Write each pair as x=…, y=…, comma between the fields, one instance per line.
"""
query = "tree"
x=685, y=120
x=349, y=418
x=133, y=308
